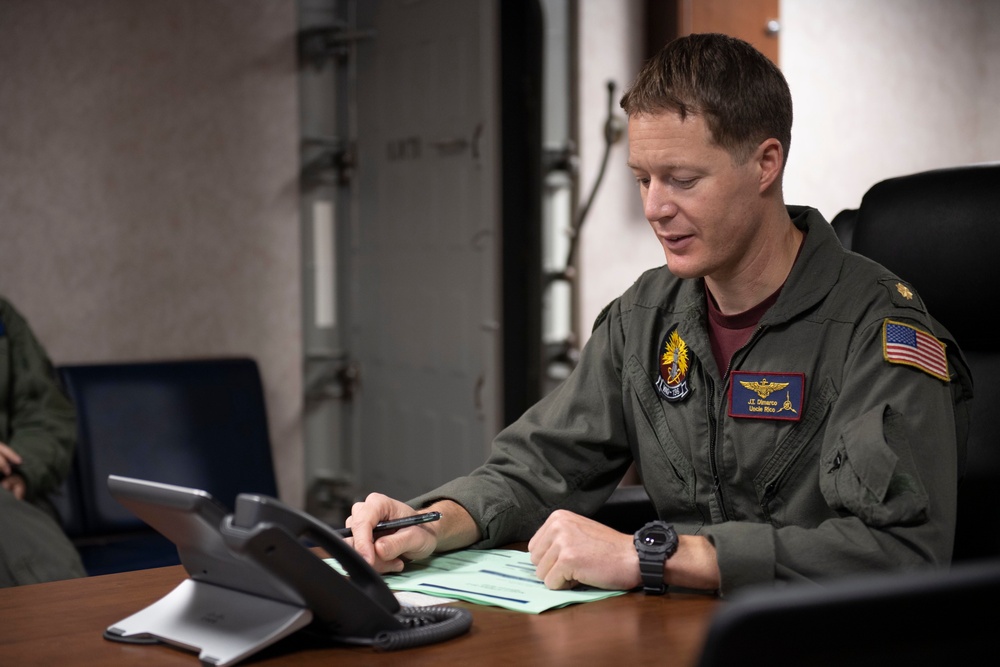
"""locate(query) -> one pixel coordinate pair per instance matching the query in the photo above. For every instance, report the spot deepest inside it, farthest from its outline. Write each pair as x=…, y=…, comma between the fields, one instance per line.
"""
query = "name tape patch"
x=763, y=395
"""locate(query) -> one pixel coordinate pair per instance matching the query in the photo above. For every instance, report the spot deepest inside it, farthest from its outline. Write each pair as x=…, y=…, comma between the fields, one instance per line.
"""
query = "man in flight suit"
x=793, y=410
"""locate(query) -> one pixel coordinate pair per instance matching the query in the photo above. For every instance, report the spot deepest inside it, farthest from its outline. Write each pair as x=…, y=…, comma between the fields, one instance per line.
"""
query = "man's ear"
x=770, y=159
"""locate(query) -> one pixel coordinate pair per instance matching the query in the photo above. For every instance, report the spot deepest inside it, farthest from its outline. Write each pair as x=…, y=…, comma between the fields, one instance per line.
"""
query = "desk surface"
x=61, y=623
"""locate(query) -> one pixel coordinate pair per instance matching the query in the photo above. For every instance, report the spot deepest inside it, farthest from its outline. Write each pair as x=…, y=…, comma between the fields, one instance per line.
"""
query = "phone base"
x=222, y=624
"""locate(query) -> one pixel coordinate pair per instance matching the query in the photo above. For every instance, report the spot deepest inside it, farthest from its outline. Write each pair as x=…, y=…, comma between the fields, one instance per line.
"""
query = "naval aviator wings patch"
x=762, y=395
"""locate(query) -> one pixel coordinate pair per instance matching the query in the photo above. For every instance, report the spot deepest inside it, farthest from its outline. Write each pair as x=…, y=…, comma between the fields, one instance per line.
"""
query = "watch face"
x=654, y=537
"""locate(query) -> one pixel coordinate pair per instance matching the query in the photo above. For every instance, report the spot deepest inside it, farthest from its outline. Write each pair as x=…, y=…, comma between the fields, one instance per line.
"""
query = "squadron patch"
x=672, y=384
x=908, y=345
x=758, y=395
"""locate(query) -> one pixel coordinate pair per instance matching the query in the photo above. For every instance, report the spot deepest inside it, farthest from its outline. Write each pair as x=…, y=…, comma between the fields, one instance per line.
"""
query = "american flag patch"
x=904, y=344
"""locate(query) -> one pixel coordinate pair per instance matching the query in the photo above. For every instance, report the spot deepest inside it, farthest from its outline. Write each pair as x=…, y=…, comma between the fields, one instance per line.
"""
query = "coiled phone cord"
x=424, y=625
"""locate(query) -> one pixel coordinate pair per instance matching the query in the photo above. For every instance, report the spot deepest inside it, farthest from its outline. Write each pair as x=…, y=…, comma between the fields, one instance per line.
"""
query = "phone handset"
x=273, y=535
x=252, y=510
x=359, y=608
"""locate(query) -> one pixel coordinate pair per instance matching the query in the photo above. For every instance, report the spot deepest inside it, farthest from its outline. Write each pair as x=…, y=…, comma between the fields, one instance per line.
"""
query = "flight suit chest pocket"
x=869, y=473
x=663, y=462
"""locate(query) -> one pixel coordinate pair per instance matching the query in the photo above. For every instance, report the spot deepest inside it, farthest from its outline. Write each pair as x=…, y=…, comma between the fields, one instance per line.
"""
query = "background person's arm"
x=41, y=418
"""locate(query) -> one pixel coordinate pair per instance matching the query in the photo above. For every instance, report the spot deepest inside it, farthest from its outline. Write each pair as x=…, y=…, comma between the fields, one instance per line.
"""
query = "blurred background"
x=409, y=212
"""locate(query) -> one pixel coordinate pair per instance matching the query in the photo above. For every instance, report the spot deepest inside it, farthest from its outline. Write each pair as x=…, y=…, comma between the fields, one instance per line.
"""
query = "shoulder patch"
x=905, y=344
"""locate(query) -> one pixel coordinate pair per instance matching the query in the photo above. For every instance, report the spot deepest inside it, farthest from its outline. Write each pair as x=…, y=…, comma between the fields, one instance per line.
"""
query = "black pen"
x=394, y=524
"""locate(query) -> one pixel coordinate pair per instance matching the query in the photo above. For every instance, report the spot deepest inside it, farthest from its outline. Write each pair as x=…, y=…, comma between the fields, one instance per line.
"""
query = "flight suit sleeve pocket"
x=869, y=473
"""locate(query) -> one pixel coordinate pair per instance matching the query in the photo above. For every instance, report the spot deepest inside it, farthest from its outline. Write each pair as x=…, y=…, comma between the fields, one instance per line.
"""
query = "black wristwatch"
x=655, y=542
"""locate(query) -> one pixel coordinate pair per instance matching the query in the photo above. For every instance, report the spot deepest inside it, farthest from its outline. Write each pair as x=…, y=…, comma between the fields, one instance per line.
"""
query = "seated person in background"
x=792, y=409
x=37, y=437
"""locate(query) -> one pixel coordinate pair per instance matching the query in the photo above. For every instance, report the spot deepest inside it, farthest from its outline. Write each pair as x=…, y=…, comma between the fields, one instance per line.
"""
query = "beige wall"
x=149, y=155
x=148, y=186
x=616, y=244
x=880, y=89
x=887, y=88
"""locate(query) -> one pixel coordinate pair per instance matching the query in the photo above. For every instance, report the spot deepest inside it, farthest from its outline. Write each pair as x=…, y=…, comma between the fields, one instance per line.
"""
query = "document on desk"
x=500, y=577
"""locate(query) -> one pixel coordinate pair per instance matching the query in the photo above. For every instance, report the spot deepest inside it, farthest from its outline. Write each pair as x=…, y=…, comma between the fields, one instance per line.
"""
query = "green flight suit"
x=852, y=468
x=38, y=421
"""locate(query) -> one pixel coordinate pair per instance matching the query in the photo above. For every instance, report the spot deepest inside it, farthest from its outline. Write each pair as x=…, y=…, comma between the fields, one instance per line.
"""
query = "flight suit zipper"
x=713, y=431
x=716, y=415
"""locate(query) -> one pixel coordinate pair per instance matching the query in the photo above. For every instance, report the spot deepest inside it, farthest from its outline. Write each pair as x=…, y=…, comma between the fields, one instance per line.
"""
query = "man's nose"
x=659, y=202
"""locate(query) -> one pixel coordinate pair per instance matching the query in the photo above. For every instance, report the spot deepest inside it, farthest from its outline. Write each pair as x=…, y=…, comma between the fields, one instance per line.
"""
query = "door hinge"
x=338, y=378
x=317, y=46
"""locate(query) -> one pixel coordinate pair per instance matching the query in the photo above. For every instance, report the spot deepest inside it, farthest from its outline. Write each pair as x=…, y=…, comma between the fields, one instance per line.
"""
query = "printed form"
x=499, y=577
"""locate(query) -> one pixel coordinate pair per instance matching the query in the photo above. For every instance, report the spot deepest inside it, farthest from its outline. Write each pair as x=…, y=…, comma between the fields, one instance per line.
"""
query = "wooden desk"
x=60, y=624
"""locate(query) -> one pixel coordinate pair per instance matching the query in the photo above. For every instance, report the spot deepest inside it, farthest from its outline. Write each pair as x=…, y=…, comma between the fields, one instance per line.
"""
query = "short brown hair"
x=740, y=93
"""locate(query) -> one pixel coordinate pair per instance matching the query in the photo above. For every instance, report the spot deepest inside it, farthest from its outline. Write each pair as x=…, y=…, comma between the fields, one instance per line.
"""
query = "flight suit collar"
x=816, y=270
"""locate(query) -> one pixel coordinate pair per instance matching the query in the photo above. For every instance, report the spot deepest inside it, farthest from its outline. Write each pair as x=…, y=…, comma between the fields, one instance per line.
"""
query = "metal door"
x=423, y=286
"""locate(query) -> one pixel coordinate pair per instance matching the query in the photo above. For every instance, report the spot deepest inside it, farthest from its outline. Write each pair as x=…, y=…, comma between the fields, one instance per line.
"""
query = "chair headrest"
x=940, y=231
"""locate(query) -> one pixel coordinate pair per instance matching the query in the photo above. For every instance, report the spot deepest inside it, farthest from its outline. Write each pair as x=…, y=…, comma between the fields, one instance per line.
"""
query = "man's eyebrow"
x=673, y=166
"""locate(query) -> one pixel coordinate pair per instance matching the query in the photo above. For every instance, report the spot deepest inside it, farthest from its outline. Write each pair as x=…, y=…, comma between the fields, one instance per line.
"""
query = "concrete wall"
x=148, y=186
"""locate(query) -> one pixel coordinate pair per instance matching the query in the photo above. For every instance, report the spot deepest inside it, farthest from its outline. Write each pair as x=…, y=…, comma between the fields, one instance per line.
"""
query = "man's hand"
x=9, y=478
x=570, y=549
x=388, y=555
x=389, y=552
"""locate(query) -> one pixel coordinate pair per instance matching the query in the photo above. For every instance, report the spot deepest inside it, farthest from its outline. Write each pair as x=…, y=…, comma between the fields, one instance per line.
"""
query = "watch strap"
x=652, y=576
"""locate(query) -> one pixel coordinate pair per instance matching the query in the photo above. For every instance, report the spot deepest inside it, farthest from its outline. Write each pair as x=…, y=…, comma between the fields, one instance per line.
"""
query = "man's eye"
x=643, y=181
x=685, y=183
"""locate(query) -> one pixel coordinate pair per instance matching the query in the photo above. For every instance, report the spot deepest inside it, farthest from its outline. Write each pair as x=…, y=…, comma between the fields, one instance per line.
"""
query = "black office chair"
x=879, y=620
x=199, y=423
x=940, y=231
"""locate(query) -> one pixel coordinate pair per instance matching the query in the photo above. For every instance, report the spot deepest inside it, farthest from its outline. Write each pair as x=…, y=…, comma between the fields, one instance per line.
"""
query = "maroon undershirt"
x=728, y=333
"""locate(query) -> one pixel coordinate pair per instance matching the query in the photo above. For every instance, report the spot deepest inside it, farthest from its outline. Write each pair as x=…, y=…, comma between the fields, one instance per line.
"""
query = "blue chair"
x=200, y=423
